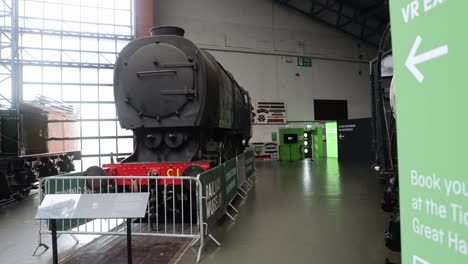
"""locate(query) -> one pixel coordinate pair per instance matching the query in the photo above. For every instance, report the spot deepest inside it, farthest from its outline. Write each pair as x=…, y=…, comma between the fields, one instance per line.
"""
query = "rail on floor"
x=179, y=206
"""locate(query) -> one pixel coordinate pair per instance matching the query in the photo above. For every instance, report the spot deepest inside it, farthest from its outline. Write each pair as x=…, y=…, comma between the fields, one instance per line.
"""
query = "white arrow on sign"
x=341, y=136
x=414, y=59
x=418, y=260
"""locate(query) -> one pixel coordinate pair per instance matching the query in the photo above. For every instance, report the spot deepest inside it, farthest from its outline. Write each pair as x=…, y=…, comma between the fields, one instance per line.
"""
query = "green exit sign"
x=304, y=61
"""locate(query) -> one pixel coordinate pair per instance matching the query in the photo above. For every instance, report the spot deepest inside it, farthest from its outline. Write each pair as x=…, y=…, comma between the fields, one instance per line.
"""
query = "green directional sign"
x=304, y=61
x=430, y=51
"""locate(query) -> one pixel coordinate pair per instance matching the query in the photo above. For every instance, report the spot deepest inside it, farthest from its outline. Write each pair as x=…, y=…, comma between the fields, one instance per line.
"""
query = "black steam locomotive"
x=181, y=104
x=34, y=143
x=187, y=113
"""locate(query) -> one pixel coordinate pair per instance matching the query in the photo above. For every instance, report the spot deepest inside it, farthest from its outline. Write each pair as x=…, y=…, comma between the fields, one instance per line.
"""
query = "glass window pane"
x=89, y=129
x=53, y=91
x=108, y=146
x=71, y=43
x=123, y=4
x=70, y=75
x=71, y=93
x=124, y=132
x=107, y=3
x=125, y=145
x=89, y=93
x=106, y=93
x=89, y=75
x=5, y=89
x=31, y=40
x=51, y=55
x=32, y=73
x=30, y=91
x=71, y=56
x=31, y=54
x=121, y=44
x=89, y=111
x=89, y=14
x=79, y=79
x=108, y=128
x=107, y=45
x=52, y=74
x=106, y=76
x=88, y=162
x=33, y=9
x=107, y=111
x=51, y=42
x=90, y=147
x=89, y=44
x=53, y=11
x=106, y=16
x=71, y=12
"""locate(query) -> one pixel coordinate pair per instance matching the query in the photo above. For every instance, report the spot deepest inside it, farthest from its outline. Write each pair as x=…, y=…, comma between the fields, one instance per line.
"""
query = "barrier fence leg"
x=75, y=238
x=233, y=208
x=241, y=196
x=245, y=193
x=194, y=242
x=199, y=252
x=230, y=216
x=214, y=240
x=250, y=181
x=40, y=244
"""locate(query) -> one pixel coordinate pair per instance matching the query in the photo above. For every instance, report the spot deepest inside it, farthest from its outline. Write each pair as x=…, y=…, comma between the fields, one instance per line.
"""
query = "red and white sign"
x=266, y=150
x=270, y=113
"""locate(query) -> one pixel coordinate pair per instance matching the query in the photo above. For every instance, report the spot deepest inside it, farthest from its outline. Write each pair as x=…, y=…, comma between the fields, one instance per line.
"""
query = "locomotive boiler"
x=180, y=103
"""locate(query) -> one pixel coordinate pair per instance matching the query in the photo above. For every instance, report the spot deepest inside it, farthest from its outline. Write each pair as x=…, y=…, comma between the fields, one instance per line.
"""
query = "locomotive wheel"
x=95, y=185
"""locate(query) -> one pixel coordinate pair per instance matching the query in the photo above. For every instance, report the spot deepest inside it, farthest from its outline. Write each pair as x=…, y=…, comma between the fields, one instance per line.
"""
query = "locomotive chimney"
x=167, y=30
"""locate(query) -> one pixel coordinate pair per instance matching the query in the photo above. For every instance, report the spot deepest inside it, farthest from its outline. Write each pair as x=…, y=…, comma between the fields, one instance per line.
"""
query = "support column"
x=144, y=12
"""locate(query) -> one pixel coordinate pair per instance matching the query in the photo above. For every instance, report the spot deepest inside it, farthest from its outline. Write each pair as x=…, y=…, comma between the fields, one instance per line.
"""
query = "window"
x=66, y=51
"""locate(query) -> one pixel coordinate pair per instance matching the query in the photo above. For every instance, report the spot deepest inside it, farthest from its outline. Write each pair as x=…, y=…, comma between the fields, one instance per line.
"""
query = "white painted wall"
x=259, y=41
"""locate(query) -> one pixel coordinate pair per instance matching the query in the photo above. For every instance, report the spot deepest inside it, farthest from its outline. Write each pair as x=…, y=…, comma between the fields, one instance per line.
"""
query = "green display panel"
x=230, y=178
x=331, y=129
x=318, y=143
x=430, y=55
x=291, y=151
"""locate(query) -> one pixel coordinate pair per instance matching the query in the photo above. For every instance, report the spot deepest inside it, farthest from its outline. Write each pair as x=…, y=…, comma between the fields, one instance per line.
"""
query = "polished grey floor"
x=305, y=212
x=299, y=212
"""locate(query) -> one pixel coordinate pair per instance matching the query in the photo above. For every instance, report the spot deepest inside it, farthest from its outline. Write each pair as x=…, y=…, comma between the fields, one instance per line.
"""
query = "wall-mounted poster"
x=270, y=113
x=266, y=150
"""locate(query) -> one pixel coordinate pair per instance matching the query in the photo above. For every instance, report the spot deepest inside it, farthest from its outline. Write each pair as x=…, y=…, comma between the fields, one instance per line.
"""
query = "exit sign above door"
x=304, y=62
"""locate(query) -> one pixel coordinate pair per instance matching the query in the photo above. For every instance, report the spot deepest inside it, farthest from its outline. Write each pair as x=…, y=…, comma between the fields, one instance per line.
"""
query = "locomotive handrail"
x=155, y=72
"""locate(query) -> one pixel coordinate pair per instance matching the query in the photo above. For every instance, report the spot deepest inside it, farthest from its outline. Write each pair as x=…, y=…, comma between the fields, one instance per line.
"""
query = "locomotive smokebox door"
x=159, y=81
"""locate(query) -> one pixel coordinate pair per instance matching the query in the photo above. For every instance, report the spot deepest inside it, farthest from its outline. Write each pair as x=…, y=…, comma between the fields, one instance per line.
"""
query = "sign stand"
x=53, y=223
x=129, y=240
x=92, y=206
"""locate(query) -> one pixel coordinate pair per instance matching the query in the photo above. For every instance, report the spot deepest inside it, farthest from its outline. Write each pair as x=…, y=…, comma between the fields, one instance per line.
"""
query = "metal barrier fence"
x=179, y=206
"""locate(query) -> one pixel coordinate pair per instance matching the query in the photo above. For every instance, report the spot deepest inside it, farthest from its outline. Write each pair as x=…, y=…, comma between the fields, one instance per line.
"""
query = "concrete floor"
x=298, y=212
x=305, y=212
